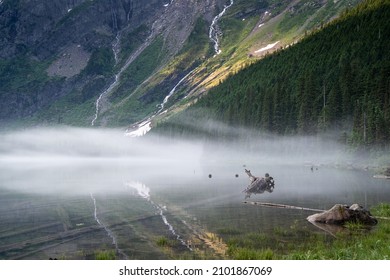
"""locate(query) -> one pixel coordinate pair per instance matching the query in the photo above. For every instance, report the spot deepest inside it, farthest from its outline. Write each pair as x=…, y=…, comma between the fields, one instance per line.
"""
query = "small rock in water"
x=236, y=175
x=210, y=175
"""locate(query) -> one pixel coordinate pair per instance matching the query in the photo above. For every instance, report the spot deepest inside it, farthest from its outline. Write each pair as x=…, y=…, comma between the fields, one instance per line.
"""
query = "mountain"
x=337, y=78
x=117, y=62
x=57, y=56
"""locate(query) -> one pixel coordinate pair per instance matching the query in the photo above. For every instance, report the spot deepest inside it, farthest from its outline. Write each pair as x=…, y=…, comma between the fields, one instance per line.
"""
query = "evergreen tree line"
x=336, y=77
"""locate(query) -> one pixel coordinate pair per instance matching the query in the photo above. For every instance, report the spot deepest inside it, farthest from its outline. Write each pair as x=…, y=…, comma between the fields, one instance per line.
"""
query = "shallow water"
x=111, y=205
x=218, y=202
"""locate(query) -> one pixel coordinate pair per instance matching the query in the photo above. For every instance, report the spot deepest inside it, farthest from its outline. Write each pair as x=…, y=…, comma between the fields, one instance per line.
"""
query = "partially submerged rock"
x=340, y=214
x=384, y=175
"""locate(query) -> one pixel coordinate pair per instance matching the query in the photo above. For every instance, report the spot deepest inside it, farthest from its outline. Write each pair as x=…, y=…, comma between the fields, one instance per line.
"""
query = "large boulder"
x=340, y=214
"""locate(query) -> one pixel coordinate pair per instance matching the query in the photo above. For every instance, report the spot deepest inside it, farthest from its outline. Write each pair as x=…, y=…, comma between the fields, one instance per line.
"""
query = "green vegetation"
x=195, y=50
x=354, y=243
x=105, y=255
x=381, y=210
x=334, y=77
x=22, y=80
x=163, y=241
x=130, y=42
x=101, y=62
x=298, y=15
x=22, y=74
x=140, y=69
x=78, y=9
x=64, y=111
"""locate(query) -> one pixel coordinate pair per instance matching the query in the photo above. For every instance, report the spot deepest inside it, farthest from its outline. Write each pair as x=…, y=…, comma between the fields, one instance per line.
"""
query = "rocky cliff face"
x=53, y=43
x=45, y=28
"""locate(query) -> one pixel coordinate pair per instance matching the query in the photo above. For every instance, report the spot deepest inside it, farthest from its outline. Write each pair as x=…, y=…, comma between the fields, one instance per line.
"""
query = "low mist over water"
x=82, y=160
x=76, y=160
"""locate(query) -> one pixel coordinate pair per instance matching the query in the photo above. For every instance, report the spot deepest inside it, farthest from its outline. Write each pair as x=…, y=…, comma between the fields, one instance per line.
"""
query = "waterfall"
x=116, y=49
x=99, y=100
x=213, y=32
x=144, y=126
x=165, y=101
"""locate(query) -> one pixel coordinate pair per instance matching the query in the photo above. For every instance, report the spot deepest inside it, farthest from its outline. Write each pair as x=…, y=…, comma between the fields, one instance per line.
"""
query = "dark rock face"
x=45, y=27
x=340, y=214
x=41, y=32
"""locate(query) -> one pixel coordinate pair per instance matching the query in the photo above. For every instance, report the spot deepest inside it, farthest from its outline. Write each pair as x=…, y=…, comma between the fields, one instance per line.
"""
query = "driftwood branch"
x=275, y=205
x=251, y=177
x=258, y=184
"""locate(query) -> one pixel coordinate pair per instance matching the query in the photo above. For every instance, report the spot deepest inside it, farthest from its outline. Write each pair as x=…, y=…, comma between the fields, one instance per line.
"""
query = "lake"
x=169, y=201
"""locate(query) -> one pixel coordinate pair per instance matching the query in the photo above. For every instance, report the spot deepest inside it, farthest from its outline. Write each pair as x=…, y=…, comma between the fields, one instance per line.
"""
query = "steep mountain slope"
x=116, y=62
x=58, y=56
x=336, y=78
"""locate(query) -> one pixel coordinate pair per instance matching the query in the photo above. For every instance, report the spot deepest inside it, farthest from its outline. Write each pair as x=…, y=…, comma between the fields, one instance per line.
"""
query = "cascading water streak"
x=165, y=101
x=108, y=231
x=213, y=31
x=144, y=126
x=116, y=50
x=100, y=98
x=144, y=192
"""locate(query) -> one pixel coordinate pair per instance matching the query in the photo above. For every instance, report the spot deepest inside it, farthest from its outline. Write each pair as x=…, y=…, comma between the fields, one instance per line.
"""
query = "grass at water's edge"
x=353, y=243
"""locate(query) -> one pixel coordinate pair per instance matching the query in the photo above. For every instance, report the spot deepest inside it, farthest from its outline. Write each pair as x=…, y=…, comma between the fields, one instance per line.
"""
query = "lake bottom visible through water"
x=188, y=216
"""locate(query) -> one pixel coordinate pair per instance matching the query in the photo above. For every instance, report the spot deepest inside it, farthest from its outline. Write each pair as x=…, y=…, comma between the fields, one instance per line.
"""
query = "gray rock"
x=340, y=214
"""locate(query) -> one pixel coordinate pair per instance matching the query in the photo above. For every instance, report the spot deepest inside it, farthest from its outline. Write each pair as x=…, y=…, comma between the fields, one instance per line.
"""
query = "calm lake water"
x=72, y=211
x=73, y=194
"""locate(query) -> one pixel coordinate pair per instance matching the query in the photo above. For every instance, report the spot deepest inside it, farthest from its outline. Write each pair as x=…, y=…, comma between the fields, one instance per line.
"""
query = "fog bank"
x=89, y=160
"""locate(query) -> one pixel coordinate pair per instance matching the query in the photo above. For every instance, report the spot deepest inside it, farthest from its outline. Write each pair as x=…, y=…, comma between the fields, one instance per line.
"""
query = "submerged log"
x=259, y=185
x=276, y=205
x=341, y=214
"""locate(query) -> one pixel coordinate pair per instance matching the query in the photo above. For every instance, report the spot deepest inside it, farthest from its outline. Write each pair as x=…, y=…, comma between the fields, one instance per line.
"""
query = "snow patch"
x=167, y=4
x=140, y=129
x=268, y=47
